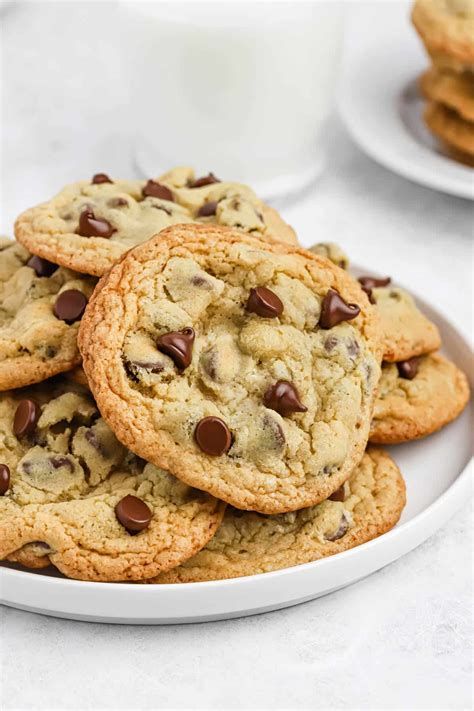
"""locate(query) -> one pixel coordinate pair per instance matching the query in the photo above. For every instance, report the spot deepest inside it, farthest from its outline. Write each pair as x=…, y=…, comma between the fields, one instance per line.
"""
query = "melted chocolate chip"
x=283, y=398
x=4, y=479
x=70, y=305
x=58, y=462
x=41, y=266
x=92, y=226
x=213, y=436
x=27, y=415
x=208, y=209
x=341, y=531
x=408, y=369
x=339, y=494
x=353, y=348
x=153, y=189
x=368, y=283
x=150, y=367
x=334, y=310
x=93, y=440
x=264, y=302
x=133, y=514
x=100, y=178
x=330, y=343
x=277, y=436
x=178, y=345
x=117, y=202
x=205, y=180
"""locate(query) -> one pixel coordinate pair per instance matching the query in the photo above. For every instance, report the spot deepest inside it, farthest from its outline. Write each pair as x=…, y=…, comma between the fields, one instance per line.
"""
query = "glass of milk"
x=242, y=89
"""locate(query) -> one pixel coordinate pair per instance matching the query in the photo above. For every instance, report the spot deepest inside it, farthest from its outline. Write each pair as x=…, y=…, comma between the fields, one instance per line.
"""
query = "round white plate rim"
x=370, y=112
x=98, y=599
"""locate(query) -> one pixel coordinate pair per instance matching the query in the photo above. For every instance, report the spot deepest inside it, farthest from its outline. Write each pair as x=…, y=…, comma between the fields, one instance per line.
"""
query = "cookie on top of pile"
x=231, y=383
x=447, y=30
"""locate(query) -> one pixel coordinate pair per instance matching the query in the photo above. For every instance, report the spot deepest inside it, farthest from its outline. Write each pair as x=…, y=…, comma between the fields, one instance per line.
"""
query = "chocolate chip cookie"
x=71, y=493
x=417, y=397
x=41, y=306
x=90, y=224
x=247, y=369
x=447, y=30
x=247, y=543
x=450, y=127
x=406, y=331
x=456, y=91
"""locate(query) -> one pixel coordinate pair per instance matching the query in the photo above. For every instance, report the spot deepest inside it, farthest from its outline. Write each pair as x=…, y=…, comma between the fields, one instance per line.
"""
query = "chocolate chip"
x=151, y=367
x=208, y=209
x=208, y=179
x=162, y=208
x=264, y=302
x=59, y=462
x=339, y=494
x=408, y=369
x=27, y=415
x=330, y=343
x=334, y=310
x=277, y=437
x=341, y=531
x=213, y=436
x=70, y=305
x=100, y=178
x=117, y=202
x=178, y=345
x=368, y=283
x=42, y=267
x=133, y=514
x=283, y=398
x=92, y=226
x=353, y=348
x=4, y=479
x=156, y=190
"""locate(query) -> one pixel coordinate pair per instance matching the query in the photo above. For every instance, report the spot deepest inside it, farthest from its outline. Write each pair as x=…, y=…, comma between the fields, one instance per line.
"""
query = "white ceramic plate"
x=380, y=104
x=437, y=473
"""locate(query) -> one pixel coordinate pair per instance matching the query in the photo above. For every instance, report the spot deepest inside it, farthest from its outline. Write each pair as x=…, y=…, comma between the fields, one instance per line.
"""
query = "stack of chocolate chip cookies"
x=447, y=30
x=188, y=395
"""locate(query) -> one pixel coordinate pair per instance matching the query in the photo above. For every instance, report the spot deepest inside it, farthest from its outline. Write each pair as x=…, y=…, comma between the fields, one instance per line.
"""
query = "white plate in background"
x=437, y=472
x=380, y=104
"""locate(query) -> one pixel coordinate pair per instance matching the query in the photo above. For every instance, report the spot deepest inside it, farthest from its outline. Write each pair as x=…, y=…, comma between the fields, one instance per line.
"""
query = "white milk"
x=242, y=89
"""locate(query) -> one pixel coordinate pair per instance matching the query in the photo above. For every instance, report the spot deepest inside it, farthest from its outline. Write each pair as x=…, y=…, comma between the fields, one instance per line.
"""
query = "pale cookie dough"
x=409, y=409
x=406, y=331
x=35, y=339
x=450, y=128
x=293, y=400
x=120, y=211
x=331, y=251
x=248, y=543
x=64, y=483
x=447, y=30
x=456, y=91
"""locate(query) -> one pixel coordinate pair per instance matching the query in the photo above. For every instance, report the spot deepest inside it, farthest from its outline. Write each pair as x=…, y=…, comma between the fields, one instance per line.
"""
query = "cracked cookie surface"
x=407, y=332
x=247, y=543
x=206, y=353
x=72, y=493
x=38, y=339
x=89, y=225
x=447, y=30
x=407, y=409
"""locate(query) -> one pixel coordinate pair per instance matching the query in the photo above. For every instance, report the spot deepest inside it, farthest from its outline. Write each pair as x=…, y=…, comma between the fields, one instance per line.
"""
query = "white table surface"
x=399, y=639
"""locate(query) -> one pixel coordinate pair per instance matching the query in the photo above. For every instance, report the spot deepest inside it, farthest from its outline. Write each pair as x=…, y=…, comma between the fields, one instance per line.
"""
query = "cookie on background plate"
x=40, y=309
x=450, y=127
x=248, y=369
x=406, y=331
x=247, y=543
x=447, y=30
x=91, y=223
x=417, y=397
x=71, y=493
x=456, y=91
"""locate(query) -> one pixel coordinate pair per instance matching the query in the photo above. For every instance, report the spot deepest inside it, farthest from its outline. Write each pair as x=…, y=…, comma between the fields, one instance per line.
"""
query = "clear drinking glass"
x=239, y=88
